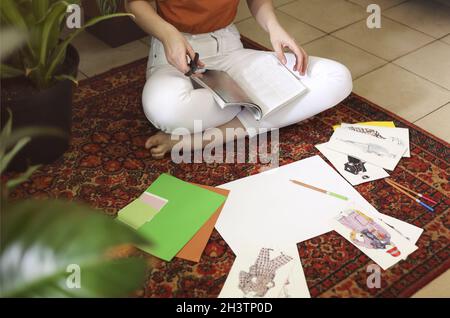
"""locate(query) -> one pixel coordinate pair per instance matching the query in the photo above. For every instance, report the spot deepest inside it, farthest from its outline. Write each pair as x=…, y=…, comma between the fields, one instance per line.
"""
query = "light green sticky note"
x=187, y=209
x=136, y=214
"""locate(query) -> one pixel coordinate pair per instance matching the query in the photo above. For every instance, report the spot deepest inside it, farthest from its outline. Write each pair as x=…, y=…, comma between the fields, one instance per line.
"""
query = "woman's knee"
x=172, y=104
x=342, y=77
x=333, y=75
x=161, y=97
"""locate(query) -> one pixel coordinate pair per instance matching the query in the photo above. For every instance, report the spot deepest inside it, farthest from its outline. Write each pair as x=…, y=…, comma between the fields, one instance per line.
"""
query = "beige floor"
x=403, y=67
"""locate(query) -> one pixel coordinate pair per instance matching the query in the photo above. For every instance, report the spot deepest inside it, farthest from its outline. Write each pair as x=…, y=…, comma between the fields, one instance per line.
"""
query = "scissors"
x=193, y=64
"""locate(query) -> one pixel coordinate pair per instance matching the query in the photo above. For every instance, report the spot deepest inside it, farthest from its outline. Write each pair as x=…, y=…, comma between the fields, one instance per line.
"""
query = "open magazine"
x=263, y=86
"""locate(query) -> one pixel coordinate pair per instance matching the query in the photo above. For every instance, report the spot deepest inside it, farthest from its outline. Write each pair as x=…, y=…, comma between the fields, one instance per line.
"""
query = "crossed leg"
x=170, y=102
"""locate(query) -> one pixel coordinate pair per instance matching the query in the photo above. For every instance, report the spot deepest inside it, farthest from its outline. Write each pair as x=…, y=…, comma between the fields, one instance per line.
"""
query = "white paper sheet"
x=340, y=160
x=373, y=237
x=400, y=135
x=385, y=153
x=295, y=285
x=268, y=209
x=408, y=231
x=266, y=272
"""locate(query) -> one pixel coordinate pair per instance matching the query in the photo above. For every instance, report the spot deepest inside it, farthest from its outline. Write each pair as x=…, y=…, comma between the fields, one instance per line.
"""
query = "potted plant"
x=115, y=32
x=52, y=248
x=37, y=80
x=61, y=249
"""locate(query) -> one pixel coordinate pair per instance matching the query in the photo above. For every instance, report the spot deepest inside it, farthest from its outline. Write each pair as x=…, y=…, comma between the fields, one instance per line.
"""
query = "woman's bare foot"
x=159, y=144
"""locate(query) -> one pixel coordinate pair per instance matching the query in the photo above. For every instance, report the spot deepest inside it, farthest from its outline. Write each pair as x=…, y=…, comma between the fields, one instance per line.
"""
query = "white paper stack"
x=361, y=153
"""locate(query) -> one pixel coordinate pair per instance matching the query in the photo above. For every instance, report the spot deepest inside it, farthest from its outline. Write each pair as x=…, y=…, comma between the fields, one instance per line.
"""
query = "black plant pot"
x=50, y=107
x=114, y=32
x=117, y=32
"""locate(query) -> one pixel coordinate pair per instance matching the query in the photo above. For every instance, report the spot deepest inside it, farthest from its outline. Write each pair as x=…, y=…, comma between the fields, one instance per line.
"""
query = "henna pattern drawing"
x=367, y=131
x=261, y=275
x=374, y=133
x=365, y=232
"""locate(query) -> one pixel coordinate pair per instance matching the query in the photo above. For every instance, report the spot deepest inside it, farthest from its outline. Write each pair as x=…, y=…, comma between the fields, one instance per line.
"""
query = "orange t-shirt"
x=198, y=16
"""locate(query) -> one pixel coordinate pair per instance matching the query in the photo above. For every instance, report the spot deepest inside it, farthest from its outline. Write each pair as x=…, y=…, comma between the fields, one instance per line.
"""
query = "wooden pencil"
x=420, y=195
x=339, y=196
x=409, y=195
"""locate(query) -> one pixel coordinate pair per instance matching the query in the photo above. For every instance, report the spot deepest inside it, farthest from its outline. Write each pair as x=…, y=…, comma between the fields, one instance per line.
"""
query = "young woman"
x=179, y=28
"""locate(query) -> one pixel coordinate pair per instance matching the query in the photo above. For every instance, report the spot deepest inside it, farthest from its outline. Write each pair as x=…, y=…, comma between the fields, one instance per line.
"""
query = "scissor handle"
x=193, y=64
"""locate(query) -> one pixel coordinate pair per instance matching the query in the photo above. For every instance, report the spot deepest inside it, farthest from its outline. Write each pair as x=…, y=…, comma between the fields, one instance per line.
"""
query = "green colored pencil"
x=339, y=196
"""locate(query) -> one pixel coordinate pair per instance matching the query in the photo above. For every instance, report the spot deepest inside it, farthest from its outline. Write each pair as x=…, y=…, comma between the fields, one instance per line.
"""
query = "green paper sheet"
x=187, y=209
x=136, y=214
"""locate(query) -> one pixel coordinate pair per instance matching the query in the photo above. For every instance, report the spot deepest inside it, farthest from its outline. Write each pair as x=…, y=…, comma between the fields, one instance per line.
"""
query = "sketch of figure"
x=285, y=290
x=260, y=277
x=367, y=233
x=370, y=148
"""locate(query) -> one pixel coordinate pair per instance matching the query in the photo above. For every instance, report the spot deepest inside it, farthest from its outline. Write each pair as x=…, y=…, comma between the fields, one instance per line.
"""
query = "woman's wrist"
x=272, y=25
x=167, y=32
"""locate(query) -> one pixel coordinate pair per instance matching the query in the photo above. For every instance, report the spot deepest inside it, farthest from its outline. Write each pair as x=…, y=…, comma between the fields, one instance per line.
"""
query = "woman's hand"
x=176, y=47
x=281, y=39
x=177, y=50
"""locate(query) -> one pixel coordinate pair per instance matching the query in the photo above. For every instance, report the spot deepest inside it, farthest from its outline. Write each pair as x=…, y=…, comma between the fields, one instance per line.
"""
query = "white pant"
x=171, y=102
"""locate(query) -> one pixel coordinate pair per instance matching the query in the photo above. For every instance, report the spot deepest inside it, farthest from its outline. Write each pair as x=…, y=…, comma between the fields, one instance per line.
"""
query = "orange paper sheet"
x=193, y=249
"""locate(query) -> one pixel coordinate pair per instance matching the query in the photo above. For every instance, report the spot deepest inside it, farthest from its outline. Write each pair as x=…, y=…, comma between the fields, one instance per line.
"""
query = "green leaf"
x=10, y=40
x=40, y=8
x=6, y=159
x=19, y=138
x=10, y=13
x=51, y=25
x=6, y=131
x=13, y=17
x=44, y=241
x=12, y=183
x=7, y=71
x=67, y=77
x=31, y=131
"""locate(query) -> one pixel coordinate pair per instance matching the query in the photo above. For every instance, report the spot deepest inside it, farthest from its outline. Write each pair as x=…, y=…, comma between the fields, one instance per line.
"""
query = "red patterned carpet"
x=107, y=167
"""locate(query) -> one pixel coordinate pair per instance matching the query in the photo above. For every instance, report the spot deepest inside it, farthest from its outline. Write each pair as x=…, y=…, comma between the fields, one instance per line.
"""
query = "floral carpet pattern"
x=107, y=167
